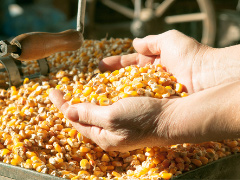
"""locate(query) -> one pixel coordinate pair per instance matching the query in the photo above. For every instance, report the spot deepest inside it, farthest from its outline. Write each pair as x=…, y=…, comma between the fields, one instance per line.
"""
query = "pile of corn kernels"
x=35, y=135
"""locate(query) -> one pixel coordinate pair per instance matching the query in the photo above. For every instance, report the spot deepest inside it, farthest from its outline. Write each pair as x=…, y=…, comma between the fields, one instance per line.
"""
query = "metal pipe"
x=81, y=15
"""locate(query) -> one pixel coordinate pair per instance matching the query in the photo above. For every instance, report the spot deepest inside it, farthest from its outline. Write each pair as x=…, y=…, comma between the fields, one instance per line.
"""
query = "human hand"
x=128, y=124
x=195, y=65
x=138, y=122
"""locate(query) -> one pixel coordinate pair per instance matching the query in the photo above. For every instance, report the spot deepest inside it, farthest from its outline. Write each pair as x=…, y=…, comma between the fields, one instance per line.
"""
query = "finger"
x=106, y=140
x=88, y=114
x=56, y=96
x=150, y=45
x=118, y=62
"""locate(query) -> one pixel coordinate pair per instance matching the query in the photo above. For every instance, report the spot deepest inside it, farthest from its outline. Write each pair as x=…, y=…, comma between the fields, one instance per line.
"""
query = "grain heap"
x=35, y=135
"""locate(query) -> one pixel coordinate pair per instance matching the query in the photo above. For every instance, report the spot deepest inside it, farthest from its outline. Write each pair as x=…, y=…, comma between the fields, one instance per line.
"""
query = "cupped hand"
x=138, y=122
x=195, y=65
x=128, y=124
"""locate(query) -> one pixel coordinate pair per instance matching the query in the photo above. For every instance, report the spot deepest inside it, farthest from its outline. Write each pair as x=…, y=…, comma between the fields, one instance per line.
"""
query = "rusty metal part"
x=7, y=49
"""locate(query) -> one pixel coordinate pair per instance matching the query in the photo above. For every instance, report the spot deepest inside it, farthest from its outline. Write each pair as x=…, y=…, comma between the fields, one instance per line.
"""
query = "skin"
x=211, y=112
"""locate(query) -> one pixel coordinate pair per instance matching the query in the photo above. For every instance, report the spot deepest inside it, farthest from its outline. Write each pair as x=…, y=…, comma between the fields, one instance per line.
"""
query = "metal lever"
x=38, y=46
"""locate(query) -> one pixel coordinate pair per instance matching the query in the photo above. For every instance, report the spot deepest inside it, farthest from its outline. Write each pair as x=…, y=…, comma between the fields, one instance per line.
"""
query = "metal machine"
x=38, y=46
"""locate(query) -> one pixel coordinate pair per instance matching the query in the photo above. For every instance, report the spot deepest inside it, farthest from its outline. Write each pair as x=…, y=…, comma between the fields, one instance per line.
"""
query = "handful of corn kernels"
x=131, y=81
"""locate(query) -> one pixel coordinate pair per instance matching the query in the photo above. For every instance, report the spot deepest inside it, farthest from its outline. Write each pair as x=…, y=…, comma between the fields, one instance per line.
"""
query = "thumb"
x=84, y=113
x=88, y=114
x=153, y=44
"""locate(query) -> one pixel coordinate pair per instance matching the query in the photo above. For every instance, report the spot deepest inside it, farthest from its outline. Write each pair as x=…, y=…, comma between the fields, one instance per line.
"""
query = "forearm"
x=212, y=114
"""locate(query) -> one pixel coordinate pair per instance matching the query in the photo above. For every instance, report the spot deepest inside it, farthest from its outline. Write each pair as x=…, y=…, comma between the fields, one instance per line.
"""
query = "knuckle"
x=173, y=32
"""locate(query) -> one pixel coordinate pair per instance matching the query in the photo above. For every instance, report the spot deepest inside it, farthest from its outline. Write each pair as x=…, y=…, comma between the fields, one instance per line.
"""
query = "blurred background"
x=212, y=22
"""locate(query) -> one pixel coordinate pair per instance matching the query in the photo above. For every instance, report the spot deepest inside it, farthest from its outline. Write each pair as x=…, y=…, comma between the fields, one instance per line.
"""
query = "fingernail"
x=72, y=113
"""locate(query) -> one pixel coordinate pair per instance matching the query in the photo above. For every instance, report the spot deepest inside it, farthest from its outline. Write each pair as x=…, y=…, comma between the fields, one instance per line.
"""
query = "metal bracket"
x=13, y=69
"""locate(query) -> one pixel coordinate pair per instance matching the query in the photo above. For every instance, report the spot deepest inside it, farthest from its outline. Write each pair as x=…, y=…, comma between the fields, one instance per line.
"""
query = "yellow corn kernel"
x=124, y=154
x=117, y=163
x=141, y=157
x=107, y=73
x=58, y=86
x=104, y=102
x=85, y=139
x=84, y=149
x=165, y=175
x=101, y=96
x=35, y=165
x=75, y=101
x=178, y=87
x=137, y=85
x=133, y=93
x=204, y=160
x=89, y=156
x=173, y=78
x=123, y=95
x=116, y=174
x=184, y=94
x=156, y=160
x=121, y=87
x=13, y=88
x=35, y=158
x=29, y=161
x=158, y=89
x=157, y=95
x=113, y=78
x=83, y=173
x=50, y=166
x=96, y=173
x=10, y=147
x=93, y=95
x=58, y=148
x=59, y=160
x=116, y=72
x=67, y=96
x=4, y=152
x=84, y=163
x=75, y=178
x=128, y=68
x=143, y=70
x=69, y=88
x=197, y=162
x=103, y=167
x=26, y=80
x=72, y=133
x=14, y=162
x=65, y=79
x=87, y=91
x=77, y=91
x=30, y=154
x=98, y=149
x=105, y=158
